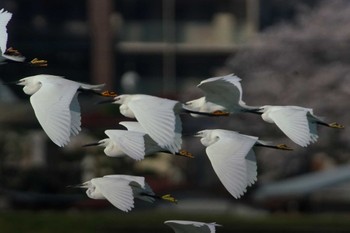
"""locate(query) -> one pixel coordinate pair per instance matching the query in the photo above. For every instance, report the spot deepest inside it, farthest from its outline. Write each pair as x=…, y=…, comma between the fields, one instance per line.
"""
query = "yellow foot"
x=283, y=147
x=169, y=198
x=13, y=52
x=37, y=62
x=336, y=125
x=109, y=93
x=220, y=113
x=186, y=154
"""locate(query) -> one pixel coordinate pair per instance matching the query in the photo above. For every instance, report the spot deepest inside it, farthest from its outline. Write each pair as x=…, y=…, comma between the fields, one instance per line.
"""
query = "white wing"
x=159, y=119
x=75, y=115
x=225, y=91
x=51, y=104
x=182, y=226
x=151, y=146
x=116, y=191
x=252, y=169
x=130, y=142
x=132, y=126
x=138, y=179
x=5, y=17
x=227, y=157
x=293, y=122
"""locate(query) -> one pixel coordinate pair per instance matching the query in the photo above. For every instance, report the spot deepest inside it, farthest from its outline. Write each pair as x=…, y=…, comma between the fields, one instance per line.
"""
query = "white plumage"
x=5, y=17
x=298, y=123
x=222, y=93
x=232, y=158
x=133, y=142
x=119, y=190
x=55, y=103
x=159, y=117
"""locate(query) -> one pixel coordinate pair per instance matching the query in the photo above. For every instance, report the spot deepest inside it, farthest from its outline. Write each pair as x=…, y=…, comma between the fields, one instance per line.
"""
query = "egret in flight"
x=232, y=157
x=120, y=190
x=10, y=53
x=184, y=226
x=298, y=123
x=55, y=103
x=223, y=96
x=159, y=117
x=133, y=142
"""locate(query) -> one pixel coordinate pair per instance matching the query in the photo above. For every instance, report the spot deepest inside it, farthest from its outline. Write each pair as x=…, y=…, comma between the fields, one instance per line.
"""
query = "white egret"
x=232, y=157
x=159, y=117
x=120, y=190
x=298, y=123
x=55, y=103
x=184, y=226
x=133, y=142
x=223, y=96
x=10, y=53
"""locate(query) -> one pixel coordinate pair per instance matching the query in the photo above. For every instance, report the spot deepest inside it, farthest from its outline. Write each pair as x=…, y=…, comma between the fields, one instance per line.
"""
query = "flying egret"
x=159, y=117
x=298, y=123
x=133, y=142
x=55, y=103
x=12, y=54
x=223, y=96
x=120, y=190
x=233, y=158
x=184, y=226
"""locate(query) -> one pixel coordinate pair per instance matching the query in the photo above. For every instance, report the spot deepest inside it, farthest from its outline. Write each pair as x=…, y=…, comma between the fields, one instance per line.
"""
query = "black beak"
x=11, y=83
x=254, y=110
x=92, y=144
x=106, y=101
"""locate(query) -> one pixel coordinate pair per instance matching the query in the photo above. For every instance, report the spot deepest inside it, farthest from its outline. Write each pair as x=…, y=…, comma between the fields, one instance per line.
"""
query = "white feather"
x=292, y=120
x=159, y=118
x=227, y=151
x=5, y=17
x=55, y=103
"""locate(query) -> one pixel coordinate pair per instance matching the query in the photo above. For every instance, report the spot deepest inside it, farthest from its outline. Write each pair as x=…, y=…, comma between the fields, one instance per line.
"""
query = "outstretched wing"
x=252, y=168
x=140, y=180
x=293, y=122
x=51, y=104
x=132, y=126
x=130, y=142
x=227, y=157
x=5, y=17
x=225, y=91
x=117, y=191
x=74, y=108
x=160, y=120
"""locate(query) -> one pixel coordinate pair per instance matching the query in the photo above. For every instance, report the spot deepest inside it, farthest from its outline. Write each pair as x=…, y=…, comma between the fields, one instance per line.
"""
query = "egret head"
x=201, y=134
x=207, y=138
x=120, y=99
x=91, y=190
x=31, y=84
x=263, y=109
x=111, y=148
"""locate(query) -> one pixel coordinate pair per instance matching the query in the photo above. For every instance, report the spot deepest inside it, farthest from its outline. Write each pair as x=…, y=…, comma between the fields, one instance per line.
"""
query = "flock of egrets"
x=158, y=128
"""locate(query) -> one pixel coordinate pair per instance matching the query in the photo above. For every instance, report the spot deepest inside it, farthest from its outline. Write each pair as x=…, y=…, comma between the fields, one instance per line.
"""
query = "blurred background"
x=285, y=52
